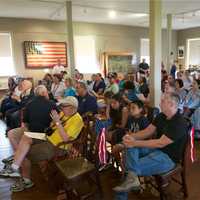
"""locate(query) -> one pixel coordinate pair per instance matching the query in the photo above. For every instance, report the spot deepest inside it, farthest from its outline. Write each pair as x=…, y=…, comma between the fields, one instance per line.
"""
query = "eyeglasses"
x=64, y=106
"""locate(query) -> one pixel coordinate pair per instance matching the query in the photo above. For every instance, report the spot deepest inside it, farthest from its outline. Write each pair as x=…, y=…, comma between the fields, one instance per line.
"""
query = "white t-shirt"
x=57, y=69
x=58, y=90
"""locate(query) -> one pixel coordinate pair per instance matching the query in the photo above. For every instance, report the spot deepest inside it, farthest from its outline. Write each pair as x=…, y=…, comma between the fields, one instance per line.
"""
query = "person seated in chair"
x=87, y=103
x=137, y=121
x=66, y=126
x=147, y=156
x=12, y=99
x=192, y=100
x=36, y=116
x=13, y=114
x=118, y=113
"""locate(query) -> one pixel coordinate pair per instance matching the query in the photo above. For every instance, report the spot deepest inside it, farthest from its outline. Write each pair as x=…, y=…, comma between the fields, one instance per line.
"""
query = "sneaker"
x=8, y=171
x=8, y=160
x=131, y=183
x=21, y=185
x=7, y=165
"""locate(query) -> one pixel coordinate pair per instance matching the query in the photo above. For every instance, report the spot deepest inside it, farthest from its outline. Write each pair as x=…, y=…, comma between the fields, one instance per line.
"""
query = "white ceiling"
x=185, y=12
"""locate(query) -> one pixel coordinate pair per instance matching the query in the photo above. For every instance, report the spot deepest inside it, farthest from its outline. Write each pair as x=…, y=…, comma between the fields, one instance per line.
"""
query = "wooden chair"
x=77, y=168
x=163, y=180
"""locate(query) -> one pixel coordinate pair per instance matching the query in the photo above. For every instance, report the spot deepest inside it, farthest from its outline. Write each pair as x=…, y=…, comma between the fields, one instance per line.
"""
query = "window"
x=6, y=58
x=85, y=54
x=193, y=51
x=144, y=50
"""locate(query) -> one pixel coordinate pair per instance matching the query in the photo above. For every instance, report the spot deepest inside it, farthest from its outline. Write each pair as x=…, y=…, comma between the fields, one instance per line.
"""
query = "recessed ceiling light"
x=112, y=14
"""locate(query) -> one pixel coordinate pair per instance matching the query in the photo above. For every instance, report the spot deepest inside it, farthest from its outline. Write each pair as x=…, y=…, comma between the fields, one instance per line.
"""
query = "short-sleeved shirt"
x=69, y=92
x=143, y=66
x=37, y=114
x=137, y=124
x=72, y=126
x=175, y=129
x=97, y=86
x=114, y=88
x=86, y=104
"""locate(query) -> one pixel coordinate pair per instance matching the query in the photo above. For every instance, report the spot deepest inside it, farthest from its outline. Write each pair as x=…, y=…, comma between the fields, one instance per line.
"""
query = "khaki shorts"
x=40, y=150
x=17, y=133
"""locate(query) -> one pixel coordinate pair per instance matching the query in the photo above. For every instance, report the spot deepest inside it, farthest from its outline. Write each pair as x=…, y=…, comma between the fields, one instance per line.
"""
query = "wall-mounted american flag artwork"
x=44, y=54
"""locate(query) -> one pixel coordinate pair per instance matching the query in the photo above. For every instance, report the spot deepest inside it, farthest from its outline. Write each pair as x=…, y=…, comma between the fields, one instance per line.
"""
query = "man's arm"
x=145, y=133
x=163, y=141
x=62, y=132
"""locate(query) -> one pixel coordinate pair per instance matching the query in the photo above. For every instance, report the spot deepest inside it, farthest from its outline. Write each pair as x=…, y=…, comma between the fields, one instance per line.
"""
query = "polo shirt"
x=72, y=126
x=86, y=104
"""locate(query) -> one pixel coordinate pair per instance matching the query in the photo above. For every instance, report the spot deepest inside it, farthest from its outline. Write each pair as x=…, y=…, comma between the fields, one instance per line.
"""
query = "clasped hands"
x=129, y=141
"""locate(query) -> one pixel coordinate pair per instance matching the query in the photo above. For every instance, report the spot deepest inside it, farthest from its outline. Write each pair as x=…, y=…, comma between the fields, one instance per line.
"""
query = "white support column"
x=70, y=38
x=169, y=41
x=155, y=28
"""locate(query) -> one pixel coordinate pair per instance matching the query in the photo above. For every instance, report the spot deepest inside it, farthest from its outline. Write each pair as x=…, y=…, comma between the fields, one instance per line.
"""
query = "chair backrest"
x=187, y=146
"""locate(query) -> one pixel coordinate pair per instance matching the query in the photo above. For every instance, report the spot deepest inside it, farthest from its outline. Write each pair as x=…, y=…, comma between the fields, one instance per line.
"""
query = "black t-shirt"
x=176, y=129
x=144, y=89
x=99, y=85
x=37, y=114
x=137, y=124
x=143, y=66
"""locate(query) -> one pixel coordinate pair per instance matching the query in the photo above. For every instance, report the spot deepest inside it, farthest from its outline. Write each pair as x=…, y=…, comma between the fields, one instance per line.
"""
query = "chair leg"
x=184, y=184
x=99, y=184
x=161, y=188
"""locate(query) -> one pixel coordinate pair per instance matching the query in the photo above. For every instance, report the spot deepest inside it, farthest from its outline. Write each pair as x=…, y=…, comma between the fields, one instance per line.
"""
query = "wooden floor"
x=109, y=179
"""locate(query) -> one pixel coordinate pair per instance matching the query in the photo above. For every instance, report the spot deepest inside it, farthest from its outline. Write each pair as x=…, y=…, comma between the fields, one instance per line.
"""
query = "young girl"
x=118, y=113
x=137, y=121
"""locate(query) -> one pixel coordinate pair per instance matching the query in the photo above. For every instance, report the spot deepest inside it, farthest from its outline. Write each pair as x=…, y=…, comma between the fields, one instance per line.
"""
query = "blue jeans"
x=147, y=162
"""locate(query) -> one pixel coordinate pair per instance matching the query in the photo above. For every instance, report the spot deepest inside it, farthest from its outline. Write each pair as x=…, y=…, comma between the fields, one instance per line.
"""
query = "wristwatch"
x=57, y=123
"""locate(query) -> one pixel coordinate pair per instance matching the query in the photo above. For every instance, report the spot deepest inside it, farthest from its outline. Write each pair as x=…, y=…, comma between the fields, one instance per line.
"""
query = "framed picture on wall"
x=117, y=62
x=181, y=52
x=40, y=55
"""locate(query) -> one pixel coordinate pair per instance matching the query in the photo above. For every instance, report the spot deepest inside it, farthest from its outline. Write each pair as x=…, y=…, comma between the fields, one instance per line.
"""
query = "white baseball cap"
x=70, y=100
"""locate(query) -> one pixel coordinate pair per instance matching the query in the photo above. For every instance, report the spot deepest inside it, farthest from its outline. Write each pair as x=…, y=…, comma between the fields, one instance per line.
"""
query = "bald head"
x=26, y=84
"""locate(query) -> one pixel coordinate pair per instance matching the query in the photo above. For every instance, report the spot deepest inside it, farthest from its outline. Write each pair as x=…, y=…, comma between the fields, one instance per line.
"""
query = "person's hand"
x=55, y=116
x=128, y=132
x=129, y=141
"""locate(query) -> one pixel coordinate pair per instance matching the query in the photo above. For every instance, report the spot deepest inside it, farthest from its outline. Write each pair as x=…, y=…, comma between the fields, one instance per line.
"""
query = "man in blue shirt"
x=86, y=102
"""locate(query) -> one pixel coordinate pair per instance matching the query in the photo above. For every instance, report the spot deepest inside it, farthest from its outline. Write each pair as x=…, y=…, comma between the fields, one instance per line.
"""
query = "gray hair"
x=82, y=85
x=39, y=90
x=174, y=97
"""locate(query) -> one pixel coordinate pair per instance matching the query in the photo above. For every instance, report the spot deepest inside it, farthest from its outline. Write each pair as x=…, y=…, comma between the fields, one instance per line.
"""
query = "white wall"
x=107, y=38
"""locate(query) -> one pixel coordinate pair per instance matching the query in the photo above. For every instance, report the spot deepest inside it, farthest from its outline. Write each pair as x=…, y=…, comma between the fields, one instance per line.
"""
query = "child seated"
x=136, y=121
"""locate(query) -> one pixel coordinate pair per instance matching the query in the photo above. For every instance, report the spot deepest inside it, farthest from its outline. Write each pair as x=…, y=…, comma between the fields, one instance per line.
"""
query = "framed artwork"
x=117, y=62
x=181, y=52
x=4, y=83
x=40, y=55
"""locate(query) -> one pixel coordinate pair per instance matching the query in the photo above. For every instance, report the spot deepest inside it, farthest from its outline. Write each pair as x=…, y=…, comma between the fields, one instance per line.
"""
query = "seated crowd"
x=119, y=103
